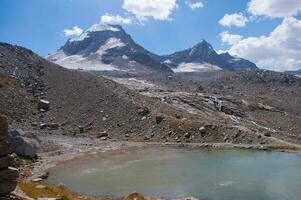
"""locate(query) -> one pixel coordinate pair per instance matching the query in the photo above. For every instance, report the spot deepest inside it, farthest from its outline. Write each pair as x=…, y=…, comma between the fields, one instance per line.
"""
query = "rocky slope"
x=62, y=101
x=202, y=57
x=79, y=102
x=269, y=99
x=107, y=48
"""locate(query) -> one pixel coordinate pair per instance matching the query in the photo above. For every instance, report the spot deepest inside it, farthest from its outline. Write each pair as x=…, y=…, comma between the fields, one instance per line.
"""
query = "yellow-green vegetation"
x=36, y=190
x=26, y=161
x=279, y=147
x=5, y=80
x=180, y=123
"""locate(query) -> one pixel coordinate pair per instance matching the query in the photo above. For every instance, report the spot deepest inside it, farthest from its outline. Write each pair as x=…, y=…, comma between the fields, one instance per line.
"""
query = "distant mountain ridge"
x=296, y=72
x=202, y=57
x=110, y=48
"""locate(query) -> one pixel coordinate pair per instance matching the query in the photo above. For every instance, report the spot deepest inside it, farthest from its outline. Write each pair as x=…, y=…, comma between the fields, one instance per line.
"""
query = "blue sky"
x=172, y=25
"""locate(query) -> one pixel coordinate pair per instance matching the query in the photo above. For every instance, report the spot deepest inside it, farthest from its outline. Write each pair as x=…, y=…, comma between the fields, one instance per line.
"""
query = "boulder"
x=23, y=144
x=3, y=127
x=9, y=174
x=7, y=187
x=135, y=196
x=43, y=105
x=4, y=148
x=5, y=161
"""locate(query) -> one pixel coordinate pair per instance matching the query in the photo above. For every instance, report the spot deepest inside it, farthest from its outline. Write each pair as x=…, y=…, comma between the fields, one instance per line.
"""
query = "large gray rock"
x=23, y=144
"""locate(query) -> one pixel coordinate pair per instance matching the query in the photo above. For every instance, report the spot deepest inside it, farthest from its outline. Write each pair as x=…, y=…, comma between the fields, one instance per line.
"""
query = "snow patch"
x=91, y=62
x=196, y=67
x=80, y=62
x=110, y=44
x=167, y=61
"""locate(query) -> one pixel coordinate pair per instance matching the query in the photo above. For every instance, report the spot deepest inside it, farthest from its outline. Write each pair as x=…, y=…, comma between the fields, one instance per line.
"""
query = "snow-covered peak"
x=102, y=27
x=94, y=28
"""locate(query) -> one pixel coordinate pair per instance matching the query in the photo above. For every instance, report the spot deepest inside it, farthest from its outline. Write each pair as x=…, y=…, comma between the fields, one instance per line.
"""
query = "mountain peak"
x=203, y=43
x=97, y=28
x=105, y=47
x=203, y=55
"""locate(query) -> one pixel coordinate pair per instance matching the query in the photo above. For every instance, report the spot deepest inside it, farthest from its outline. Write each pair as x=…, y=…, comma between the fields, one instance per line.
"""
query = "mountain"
x=296, y=73
x=107, y=48
x=202, y=57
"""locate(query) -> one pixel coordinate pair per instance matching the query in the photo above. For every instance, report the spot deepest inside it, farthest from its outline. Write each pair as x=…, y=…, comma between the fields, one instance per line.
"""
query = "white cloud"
x=115, y=19
x=231, y=39
x=75, y=31
x=157, y=9
x=275, y=8
x=194, y=5
x=236, y=19
x=278, y=51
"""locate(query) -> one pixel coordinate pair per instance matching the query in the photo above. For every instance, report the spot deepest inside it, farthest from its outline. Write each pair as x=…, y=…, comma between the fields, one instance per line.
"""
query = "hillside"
x=79, y=102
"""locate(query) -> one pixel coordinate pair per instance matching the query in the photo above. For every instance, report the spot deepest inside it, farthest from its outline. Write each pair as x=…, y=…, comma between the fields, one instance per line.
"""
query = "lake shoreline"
x=70, y=149
x=73, y=148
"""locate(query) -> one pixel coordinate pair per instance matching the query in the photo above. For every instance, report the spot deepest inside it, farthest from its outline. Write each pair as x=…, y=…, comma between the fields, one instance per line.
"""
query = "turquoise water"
x=176, y=173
